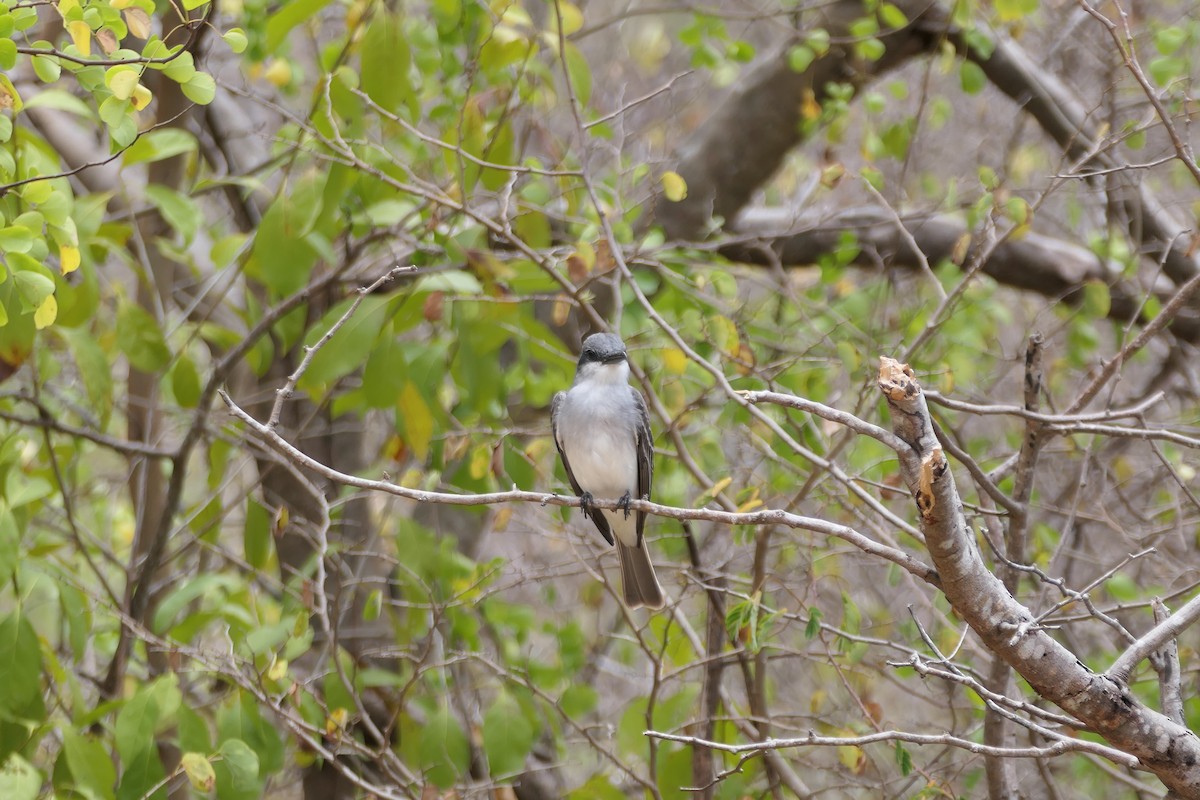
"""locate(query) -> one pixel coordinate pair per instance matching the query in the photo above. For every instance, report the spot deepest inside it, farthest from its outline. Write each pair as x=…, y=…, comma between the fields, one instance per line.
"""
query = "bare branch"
x=1154, y=640
x=767, y=517
x=1005, y=626
x=812, y=740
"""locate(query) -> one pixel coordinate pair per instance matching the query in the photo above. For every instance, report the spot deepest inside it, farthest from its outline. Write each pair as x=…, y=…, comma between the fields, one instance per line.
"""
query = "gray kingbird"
x=602, y=430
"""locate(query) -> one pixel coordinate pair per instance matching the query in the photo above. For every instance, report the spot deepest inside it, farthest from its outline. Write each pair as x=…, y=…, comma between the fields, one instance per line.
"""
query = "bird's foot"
x=585, y=502
x=623, y=504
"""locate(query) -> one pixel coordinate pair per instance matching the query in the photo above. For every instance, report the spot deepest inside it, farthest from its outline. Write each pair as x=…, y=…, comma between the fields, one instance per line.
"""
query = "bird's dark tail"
x=638, y=578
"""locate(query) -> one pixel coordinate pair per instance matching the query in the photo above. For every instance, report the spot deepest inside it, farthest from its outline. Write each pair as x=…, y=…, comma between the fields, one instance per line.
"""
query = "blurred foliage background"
x=757, y=195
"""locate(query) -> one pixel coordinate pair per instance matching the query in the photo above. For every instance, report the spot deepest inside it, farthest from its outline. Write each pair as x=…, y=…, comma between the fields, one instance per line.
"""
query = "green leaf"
x=91, y=766
x=8, y=54
x=152, y=705
x=237, y=771
x=800, y=58
x=236, y=39
x=140, y=338
x=94, y=369
x=287, y=17
x=114, y=111
x=21, y=489
x=891, y=16
x=385, y=62
x=33, y=288
x=972, y=78
x=159, y=144
x=181, y=68
x=192, y=5
x=180, y=211
x=181, y=593
x=20, y=669
x=1096, y=299
x=903, y=759
x=579, y=72
x=200, y=88
x=19, y=780
x=125, y=131
x=16, y=239
x=17, y=332
x=10, y=545
x=1166, y=69
x=282, y=255
x=814, y=623
x=598, y=787
x=47, y=68
x=1169, y=39
x=256, y=535
x=185, y=382
x=507, y=736
x=242, y=720
x=61, y=101
x=871, y=48
x=383, y=377
x=578, y=699
x=347, y=351
x=444, y=751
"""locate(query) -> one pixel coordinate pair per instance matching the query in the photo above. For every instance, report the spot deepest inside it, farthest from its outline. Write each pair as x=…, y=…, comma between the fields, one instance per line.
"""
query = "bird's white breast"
x=603, y=454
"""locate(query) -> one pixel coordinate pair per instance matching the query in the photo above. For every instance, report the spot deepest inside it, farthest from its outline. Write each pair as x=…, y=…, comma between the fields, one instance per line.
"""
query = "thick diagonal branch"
x=1102, y=702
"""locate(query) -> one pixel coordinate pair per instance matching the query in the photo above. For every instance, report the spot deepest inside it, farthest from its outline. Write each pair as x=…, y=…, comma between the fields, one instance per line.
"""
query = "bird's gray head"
x=603, y=357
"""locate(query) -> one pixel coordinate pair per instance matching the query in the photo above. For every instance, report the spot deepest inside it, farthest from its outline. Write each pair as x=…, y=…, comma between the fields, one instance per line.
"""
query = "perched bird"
x=602, y=430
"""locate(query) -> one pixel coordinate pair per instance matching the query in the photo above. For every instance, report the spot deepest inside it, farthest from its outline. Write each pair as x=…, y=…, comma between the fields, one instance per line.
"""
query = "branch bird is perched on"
x=602, y=430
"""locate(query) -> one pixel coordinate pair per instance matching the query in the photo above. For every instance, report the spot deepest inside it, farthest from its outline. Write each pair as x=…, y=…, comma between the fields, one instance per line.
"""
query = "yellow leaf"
x=336, y=721
x=719, y=486
x=418, y=420
x=852, y=758
x=832, y=174
x=81, y=35
x=674, y=360
x=561, y=310
x=121, y=82
x=280, y=523
x=9, y=98
x=46, y=313
x=572, y=17
x=749, y=505
x=279, y=73
x=141, y=97
x=65, y=7
x=278, y=669
x=810, y=109
x=68, y=258
x=199, y=771
x=481, y=462
x=138, y=22
x=674, y=186
x=501, y=520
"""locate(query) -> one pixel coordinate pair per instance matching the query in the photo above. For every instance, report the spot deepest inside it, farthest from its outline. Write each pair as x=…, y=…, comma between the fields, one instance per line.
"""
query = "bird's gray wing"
x=596, y=514
x=645, y=456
